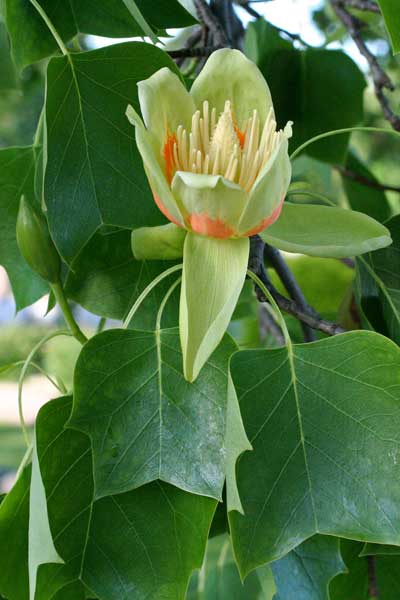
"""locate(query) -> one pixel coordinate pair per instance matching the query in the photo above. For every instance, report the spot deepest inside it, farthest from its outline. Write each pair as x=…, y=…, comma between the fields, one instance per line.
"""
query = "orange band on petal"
x=165, y=211
x=205, y=225
x=266, y=222
x=168, y=154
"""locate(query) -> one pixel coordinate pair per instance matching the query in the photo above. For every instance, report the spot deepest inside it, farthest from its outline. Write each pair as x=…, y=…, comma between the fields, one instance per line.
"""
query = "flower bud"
x=35, y=243
x=158, y=243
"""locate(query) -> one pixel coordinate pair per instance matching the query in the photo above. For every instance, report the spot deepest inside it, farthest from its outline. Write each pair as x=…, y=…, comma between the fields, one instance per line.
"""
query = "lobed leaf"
x=323, y=420
x=146, y=422
x=94, y=173
x=110, y=18
x=143, y=544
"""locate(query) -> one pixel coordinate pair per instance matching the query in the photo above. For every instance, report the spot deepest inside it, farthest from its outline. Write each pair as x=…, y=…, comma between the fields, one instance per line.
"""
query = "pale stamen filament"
x=216, y=146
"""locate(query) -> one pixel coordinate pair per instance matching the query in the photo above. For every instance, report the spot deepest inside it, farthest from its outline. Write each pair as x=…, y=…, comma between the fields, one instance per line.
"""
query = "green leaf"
x=16, y=178
x=94, y=173
x=145, y=421
x=140, y=20
x=219, y=577
x=8, y=78
x=320, y=90
x=365, y=199
x=305, y=573
x=236, y=443
x=390, y=11
x=117, y=544
x=323, y=420
x=325, y=231
x=378, y=282
x=14, y=515
x=142, y=544
x=110, y=18
x=106, y=280
x=378, y=549
x=214, y=271
x=355, y=583
x=41, y=548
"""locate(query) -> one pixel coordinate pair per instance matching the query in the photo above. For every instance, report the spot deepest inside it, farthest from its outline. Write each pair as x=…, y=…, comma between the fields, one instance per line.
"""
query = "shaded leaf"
x=110, y=18
x=378, y=285
x=324, y=426
x=325, y=231
x=361, y=197
x=355, y=584
x=390, y=11
x=377, y=549
x=320, y=90
x=145, y=421
x=155, y=530
x=140, y=544
x=8, y=78
x=16, y=178
x=94, y=173
x=219, y=577
x=106, y=280
x=14, y=515
x=305, y=573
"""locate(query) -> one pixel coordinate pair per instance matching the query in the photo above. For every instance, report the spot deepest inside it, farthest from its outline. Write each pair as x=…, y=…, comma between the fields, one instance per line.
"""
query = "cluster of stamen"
x=217, y=146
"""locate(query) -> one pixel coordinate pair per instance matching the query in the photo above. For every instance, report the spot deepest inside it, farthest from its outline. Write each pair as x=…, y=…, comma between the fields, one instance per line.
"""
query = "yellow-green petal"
x=165, y=104
x=154, y=171
x=164, y=242
x=229, y=75
x=213, y=275
x=216, y=200
x=268, y=191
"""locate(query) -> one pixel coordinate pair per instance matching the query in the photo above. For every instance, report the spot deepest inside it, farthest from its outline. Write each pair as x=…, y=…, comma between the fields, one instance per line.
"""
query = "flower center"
x=218, y=147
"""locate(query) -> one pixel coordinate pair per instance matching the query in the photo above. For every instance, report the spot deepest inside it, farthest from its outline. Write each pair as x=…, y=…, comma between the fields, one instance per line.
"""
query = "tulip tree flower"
x=218, y=169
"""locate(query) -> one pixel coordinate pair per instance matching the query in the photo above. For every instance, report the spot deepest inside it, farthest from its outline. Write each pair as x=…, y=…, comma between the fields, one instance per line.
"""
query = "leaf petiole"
x=66, y=310
x=147, y=291
x=51, y=27
x=322, y=136
x=24, y=369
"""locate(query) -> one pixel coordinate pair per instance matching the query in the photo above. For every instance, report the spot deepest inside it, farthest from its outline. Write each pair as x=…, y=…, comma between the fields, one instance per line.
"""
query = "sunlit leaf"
x=324, y=426
x=325, y=231
x=145, y=421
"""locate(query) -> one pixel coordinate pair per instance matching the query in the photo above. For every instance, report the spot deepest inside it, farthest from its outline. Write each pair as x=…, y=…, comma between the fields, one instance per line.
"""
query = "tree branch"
x=307, y=316
x=380, y=78
x=367, y=5
x=274, y=257
x=372, y=581
x=207, y=17
x=193, y=52
x=248, y=8
x=363, y=180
